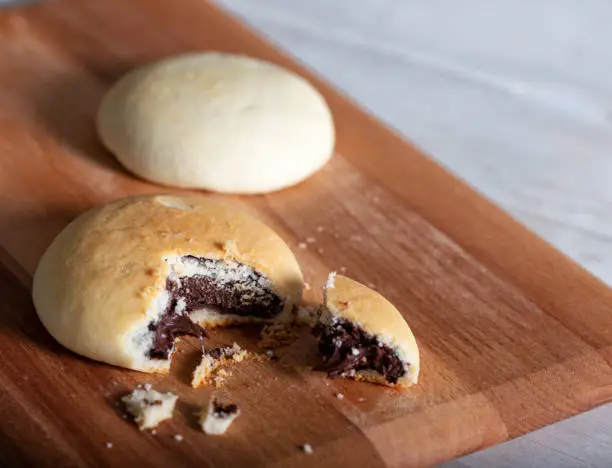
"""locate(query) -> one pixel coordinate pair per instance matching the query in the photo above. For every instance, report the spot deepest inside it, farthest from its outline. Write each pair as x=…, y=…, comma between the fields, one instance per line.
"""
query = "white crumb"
x=330, y=280
x=361, y=399
x=178, y=437
x=354, y=351
x=342, y=269
x=307, y=286
x=339, y=396
x=149, y=407
x=310, y=240
x=320, y=229
x=216, y=419
x=302, y=245
x=153, y=432
x=307, y=449
x=109, y=445
x=270, y=353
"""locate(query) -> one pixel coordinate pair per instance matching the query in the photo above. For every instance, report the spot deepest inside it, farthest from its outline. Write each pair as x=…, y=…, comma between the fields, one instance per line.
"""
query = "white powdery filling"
x=140, y=340
x=220, y=271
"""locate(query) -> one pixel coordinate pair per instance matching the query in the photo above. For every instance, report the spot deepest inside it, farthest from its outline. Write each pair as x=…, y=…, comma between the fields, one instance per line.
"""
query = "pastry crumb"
x=218, y=417
x=277, y=334
x=310, y=240
x=307, y=315
x=319, y=250
x=210, y=369
x=339, y=396
x=342, y=269
x=307, y=286
x=149, y=407
x=153, y=432
x=109, y=445
x=178, y=437
x=330, y=280
x=302, y=245
x=320, y=229
x=307, y=449
x=371, y=285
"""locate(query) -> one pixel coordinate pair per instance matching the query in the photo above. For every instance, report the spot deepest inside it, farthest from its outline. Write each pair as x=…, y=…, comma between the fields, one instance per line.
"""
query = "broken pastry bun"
x=363, y=336
x=124, y=280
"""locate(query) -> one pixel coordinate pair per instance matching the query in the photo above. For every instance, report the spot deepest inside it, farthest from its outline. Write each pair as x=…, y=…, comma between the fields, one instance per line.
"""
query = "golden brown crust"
x=98, y=280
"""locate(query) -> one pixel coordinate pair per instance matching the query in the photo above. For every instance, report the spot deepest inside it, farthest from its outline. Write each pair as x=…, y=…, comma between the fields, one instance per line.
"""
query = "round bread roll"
x=123, y=281
x=216, y=121
x=363, y=336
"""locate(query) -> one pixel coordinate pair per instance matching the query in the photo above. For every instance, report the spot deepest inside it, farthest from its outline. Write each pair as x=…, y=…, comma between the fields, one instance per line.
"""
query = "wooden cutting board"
x=513, y=335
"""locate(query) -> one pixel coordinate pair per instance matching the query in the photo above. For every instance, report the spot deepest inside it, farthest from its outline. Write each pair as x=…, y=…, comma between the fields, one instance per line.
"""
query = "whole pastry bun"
x=216, y=121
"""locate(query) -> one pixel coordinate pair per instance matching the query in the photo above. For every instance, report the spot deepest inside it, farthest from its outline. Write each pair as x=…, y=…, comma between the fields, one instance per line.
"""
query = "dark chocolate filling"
x=224, y=410
x=248, y=296
x=346, y=347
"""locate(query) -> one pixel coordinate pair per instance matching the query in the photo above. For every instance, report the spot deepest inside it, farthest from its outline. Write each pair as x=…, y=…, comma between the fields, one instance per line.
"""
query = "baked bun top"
x=216, y=121
x=101, y=282
x=348, y=300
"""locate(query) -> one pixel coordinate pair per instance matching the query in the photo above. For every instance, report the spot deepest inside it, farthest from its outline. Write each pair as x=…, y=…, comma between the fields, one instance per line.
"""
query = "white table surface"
x=515, y=96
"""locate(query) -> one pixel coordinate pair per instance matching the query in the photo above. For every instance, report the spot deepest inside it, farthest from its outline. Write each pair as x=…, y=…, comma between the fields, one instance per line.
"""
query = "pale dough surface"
x=216, y=121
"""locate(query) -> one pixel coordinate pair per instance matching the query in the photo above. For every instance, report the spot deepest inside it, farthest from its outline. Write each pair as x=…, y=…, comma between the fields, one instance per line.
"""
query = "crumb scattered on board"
x=307, y=449
x=149, y=407
x=217, y=417
x=302, y=245
x=178, y=437
x=210, y=369
x=339, y=396
x=277, y=334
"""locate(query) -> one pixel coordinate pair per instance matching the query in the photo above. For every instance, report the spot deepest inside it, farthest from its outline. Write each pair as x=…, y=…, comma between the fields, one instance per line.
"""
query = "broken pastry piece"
x=149, y=407
x=124, y=280
x=217, y=418
x=364, y=337
x=209, y=369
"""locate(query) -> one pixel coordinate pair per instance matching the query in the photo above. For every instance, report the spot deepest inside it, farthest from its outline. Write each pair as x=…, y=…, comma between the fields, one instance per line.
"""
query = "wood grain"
x=513, y=335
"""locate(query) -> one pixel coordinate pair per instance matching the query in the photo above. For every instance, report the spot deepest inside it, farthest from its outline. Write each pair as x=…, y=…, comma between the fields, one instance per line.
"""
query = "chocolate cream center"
x=229, y=288
x=346, y=348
